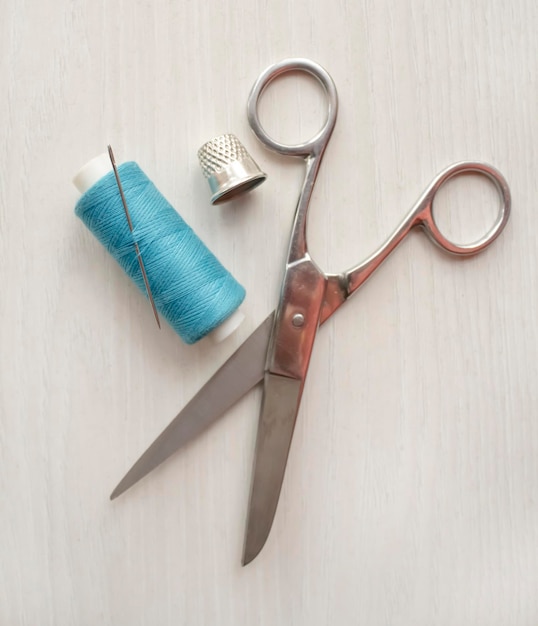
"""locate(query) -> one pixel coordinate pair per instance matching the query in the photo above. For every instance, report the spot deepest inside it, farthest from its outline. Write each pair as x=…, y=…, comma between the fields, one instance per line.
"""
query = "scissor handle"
x=422, y=214
x=317, y=144
x=424, y=209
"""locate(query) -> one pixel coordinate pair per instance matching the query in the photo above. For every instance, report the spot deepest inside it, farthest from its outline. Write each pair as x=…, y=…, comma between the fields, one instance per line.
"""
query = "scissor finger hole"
x=317, y=143
x=466, y=207
x=293, y=108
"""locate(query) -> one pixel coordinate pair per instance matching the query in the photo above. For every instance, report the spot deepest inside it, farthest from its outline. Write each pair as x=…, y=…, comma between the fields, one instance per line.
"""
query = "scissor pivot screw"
x=297, y=320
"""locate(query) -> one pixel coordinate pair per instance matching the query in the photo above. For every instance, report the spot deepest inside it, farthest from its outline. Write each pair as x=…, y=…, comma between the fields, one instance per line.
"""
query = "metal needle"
x=137, y=249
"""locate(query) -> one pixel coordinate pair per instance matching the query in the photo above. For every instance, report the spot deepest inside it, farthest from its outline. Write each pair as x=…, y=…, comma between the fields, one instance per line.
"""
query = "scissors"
x=278, y=352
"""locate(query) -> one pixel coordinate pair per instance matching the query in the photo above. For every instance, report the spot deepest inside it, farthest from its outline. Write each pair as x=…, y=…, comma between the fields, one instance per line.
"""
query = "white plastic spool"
x=92, y=172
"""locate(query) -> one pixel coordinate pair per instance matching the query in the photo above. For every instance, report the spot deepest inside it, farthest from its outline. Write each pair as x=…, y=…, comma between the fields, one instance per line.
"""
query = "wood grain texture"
x=411, y=493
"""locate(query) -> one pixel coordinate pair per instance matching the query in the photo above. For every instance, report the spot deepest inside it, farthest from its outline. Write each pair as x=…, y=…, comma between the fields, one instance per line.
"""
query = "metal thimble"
x=228, y=167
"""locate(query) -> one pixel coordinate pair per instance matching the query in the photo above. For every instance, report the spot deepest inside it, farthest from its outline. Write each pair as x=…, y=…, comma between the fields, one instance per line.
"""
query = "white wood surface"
x=411, y=493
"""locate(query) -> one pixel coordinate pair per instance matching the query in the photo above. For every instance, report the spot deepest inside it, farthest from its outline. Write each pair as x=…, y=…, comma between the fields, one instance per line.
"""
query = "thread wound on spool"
x=191, y=288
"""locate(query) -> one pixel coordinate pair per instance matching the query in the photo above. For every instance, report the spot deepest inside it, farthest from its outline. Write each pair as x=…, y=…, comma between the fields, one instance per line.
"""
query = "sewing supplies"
x=228, y=168
x=130, y=224
x=278, y=351
x=190, y=287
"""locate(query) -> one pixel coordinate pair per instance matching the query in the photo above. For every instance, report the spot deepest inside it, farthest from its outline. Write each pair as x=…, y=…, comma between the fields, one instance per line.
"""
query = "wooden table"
x=411, y=493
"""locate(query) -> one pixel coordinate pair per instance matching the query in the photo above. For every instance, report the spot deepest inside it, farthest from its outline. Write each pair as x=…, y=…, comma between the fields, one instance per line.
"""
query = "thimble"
x=228, y=167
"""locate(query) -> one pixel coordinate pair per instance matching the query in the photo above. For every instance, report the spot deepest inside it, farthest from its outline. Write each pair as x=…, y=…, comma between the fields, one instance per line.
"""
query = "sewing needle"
x=137, y=249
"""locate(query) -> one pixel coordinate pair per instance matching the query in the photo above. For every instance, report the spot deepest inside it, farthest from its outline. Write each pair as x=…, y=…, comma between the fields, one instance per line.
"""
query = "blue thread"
x=190, y=287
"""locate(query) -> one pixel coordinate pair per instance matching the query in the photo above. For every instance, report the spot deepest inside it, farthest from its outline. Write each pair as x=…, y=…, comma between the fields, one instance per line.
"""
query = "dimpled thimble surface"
x=228, y=167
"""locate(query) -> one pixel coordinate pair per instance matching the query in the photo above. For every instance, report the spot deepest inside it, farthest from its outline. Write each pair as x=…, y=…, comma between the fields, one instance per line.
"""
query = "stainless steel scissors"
x=278, y=351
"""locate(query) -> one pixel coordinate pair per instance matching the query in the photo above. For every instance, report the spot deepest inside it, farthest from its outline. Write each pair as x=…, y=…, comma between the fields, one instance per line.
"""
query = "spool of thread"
x=190, y=287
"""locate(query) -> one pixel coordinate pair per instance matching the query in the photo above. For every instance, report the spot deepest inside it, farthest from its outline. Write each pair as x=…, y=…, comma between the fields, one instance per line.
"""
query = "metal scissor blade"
x=243, y=370
x=280, y=405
